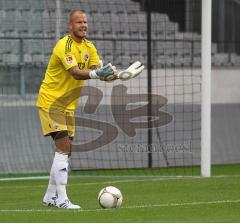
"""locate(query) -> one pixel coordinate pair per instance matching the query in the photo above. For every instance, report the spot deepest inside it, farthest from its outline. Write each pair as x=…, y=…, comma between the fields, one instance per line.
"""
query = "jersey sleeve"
x=66, y=56
x=94, y=57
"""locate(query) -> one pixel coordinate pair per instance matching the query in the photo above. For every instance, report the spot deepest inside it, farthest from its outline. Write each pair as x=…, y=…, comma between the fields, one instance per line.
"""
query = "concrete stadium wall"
x=226, y=115
x=225, y=86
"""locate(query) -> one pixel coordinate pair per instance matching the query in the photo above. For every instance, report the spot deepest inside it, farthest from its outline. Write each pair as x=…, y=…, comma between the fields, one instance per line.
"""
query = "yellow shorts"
x=57, y=121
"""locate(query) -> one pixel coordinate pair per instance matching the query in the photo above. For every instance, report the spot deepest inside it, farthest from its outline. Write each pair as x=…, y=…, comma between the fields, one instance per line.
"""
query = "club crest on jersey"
x=86, y=56
x=69, y=60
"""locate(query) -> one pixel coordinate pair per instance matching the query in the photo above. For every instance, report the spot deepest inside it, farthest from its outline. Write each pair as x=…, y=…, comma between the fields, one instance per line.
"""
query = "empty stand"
x=110, y=20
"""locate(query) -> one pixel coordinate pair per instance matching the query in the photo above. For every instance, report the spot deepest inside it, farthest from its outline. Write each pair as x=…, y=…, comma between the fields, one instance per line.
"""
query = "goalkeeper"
x=73, y=60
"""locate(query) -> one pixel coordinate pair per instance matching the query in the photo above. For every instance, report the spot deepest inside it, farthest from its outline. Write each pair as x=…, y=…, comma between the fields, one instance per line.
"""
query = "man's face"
x=78, y=25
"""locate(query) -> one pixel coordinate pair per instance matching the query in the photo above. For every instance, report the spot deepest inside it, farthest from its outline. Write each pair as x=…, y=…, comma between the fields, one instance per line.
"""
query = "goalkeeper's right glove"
x=106, y=73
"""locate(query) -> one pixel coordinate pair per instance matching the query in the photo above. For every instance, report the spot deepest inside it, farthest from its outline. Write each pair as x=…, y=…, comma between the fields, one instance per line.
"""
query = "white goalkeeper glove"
x=131, y=72
x=106, y=73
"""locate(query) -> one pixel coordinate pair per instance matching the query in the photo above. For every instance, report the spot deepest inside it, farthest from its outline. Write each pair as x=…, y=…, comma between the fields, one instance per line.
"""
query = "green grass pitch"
x=146, y=199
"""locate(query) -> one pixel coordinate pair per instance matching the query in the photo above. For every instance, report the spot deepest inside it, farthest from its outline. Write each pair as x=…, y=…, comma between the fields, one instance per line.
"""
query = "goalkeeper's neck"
x=77, y=39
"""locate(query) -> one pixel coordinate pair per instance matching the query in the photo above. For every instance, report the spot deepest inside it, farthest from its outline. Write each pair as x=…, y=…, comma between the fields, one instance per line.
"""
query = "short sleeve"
x=68, y=59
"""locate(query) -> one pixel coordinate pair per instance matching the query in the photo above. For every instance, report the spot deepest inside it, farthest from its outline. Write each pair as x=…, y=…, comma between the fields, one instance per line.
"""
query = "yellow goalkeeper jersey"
x=59, y=89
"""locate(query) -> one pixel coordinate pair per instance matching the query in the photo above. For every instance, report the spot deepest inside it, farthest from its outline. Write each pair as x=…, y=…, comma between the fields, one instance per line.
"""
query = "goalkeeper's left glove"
x=106, y=73
x=131, y=72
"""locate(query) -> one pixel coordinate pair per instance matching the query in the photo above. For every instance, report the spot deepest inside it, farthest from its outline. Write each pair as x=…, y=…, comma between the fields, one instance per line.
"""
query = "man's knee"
x=62, y=142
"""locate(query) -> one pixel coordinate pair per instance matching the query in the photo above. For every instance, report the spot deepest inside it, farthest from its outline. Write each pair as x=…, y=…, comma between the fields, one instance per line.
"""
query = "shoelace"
x=65, y=204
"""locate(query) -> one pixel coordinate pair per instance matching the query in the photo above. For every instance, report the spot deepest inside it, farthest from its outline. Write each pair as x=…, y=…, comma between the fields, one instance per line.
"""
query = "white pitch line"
x=24, y=178
x=120, y=181
x=70, y=185
x=92, y=176
x=104, y=182
x=89, y=183
x=127, y=207
x=113, y=176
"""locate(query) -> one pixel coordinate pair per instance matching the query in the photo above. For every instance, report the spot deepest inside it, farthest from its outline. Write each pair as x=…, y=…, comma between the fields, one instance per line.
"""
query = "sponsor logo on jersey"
x=69, y=60
x=81, y=66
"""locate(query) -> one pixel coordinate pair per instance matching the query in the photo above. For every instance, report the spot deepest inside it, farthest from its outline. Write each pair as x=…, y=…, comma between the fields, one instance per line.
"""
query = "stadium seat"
x=1, y=33
x=10, y=59
x=95, y=30
x=50, y=5
x=159, y=61
x=132, y=7
x=38, y=59
x=48, y=45
x=122, y=60
x=98, y=26
x=128, y=47
x=8, y=5
x=134, y=26
x=27, y=58
x=7, y=26
x=9, y=46
x=36, y=30
x=121, y=26
x=221, y=59
x=37, y=6
x=4, y=46
x=106, y=50
x=35, y=46
x=197, y=60
x=235, y=59
x=49, y=29
x=142, y=20
x=97, y=7
x=2, y=14
x=108, y=58
x=159, y=18
x=25, y=6
x=188, y=36
x=22, y=27
x=34, y=51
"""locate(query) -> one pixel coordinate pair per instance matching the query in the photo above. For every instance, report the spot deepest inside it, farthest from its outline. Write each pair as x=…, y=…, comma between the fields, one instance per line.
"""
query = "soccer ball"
x=110, y=197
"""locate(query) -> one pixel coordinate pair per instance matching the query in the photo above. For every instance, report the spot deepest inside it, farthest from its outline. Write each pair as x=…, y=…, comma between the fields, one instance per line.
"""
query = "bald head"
x=74, y=12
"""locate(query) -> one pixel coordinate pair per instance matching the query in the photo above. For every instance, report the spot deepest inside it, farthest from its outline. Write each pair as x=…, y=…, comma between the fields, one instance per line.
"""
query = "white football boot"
x=66, y=204
x=49, y=202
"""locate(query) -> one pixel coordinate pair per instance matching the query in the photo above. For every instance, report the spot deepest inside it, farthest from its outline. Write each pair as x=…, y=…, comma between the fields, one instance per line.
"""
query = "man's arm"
x=79, y=74
x=83, y=75
x=105, y=73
